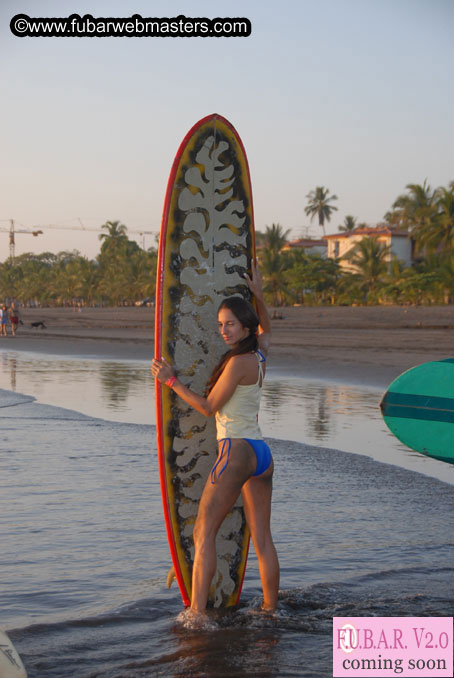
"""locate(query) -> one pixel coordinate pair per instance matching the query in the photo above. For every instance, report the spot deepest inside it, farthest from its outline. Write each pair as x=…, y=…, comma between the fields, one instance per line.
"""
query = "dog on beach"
x=39, y=323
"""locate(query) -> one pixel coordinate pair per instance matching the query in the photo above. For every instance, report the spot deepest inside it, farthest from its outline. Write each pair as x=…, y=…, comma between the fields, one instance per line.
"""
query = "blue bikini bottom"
x=261, y=450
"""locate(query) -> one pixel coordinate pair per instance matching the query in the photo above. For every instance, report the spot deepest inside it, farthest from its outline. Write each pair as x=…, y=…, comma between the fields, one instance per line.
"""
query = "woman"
x=3, y=320
x=244, y=461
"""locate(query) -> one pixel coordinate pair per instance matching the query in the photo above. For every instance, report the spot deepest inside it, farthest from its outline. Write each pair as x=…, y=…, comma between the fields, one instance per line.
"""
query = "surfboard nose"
x=418, y=409
x=11, y=665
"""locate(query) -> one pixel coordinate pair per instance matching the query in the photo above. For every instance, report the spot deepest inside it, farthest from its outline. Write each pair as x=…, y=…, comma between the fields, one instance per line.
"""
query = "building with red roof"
x=399, y=242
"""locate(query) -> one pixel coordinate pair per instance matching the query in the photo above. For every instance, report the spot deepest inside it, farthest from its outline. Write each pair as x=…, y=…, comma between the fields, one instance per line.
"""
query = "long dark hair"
x=245, y=313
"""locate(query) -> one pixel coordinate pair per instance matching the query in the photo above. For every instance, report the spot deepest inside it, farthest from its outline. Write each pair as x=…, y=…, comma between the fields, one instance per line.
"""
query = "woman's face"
x=230, y=328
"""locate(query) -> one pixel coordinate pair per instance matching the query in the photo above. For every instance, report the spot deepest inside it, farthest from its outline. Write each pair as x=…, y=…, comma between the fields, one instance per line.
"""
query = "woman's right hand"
x=161, y=370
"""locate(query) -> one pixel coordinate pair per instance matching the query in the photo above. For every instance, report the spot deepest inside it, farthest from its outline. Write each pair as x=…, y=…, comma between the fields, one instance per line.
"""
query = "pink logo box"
x=392, y=646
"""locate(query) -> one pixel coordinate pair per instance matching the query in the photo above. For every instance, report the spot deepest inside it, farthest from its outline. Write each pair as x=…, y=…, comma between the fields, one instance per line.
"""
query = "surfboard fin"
x=170, y=577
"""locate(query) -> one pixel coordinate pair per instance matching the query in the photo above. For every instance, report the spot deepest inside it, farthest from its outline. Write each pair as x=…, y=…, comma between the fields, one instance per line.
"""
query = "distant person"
x=4, y=320
x=14, y=318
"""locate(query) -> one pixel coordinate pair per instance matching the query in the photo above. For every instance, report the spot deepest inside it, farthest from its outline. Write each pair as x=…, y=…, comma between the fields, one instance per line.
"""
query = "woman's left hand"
x=161, y=370
x=255, y=283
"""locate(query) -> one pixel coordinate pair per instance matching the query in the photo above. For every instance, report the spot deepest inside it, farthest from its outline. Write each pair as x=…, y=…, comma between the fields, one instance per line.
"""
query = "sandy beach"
x=370, y=345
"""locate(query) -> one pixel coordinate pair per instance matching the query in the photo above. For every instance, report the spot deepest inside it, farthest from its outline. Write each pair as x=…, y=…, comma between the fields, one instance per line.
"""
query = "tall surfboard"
x=418, y=408
x=206, y=246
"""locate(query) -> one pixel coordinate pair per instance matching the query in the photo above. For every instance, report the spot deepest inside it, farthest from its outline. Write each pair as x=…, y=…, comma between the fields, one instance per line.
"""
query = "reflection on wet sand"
x=13, y=369
x=123, y=391
x=320, y=408
x=117, y=379
x=319, y=419
x=340, y=416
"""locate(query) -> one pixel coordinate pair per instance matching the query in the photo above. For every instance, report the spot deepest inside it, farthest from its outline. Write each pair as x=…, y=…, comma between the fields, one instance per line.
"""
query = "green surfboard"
x=418, y=408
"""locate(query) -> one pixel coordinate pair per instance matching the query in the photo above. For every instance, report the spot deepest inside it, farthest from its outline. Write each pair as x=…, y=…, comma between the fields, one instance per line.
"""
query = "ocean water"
x=84, y=555
x=319, y=412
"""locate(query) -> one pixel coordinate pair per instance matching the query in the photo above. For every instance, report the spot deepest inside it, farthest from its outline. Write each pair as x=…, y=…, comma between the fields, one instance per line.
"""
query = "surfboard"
x=11, y=665
x=418, y=408
x=206, y=245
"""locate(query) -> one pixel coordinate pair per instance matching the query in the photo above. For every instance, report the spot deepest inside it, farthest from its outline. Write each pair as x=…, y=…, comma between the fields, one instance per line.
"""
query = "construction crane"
x=37, y=230
x=143, y=233
x=12, y=230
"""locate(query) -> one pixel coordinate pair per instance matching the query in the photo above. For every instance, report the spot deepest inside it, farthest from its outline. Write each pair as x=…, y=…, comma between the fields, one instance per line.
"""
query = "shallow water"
x=338, y=415
x=84, y=553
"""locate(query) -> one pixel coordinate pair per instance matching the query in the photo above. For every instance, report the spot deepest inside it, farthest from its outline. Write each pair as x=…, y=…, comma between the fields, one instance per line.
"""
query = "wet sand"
x=369, y=345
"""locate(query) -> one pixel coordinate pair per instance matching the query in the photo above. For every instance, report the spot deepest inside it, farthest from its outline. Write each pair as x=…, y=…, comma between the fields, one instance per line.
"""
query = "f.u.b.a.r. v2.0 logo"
x=386, y=646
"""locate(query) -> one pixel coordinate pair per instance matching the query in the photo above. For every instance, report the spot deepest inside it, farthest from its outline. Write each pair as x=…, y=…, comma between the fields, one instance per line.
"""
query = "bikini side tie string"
x=213, y=471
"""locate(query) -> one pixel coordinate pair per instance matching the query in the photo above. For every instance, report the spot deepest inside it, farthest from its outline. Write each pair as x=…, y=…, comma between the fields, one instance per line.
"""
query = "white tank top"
x=238, y=418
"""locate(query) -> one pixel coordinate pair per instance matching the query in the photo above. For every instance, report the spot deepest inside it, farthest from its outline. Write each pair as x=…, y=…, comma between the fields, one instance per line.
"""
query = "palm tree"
x=439, y=234
x=414, y=211
x=113, y=284
x=89, y=280
x=65, y=284
x=428, y=215
x=275, y=237
x=38, y=271
x=349, y=224
x=10, y=277
x=370, y=258
x=312, y=276
x=446, y=277
x=319, y=205
x=114, y=229
x=260, y=238
x=272, y=265
x=418, y=286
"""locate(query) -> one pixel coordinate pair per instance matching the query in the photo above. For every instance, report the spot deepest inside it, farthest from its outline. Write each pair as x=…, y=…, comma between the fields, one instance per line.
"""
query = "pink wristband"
x=170, y=381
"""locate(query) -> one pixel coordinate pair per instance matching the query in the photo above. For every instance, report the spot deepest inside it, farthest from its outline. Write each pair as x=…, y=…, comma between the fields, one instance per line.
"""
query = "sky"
x=353, y=95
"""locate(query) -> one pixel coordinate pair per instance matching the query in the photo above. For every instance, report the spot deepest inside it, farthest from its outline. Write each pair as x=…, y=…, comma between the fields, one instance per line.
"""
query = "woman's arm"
x=255, y=285
x=221, y=392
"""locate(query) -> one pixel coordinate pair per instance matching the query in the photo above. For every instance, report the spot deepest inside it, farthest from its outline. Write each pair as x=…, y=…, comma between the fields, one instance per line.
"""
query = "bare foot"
x=193, y=619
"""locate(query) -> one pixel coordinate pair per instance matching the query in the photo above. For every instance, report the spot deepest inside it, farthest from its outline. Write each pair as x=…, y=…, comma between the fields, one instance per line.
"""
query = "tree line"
x=426, y=215
x=124, y=273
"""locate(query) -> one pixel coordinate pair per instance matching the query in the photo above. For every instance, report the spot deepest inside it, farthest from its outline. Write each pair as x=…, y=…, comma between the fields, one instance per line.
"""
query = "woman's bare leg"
x=256, y=495
x=215, y=503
